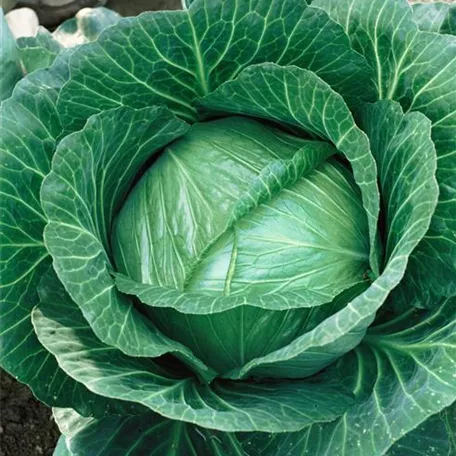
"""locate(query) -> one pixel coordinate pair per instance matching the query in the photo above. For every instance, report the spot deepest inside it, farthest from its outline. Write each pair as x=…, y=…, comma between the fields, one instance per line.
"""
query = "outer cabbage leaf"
x=61, y=449
x=25, y=162
x=92, y=172
x=38, y=51
x=433, y=17
x=10, y=72
x=50, y=291
x=174, y=56
x=402, y=373
x=436, y=436
x=417, y=69
x=373, y=28
x=29, y=129
x=227, y=406
x=145, y=434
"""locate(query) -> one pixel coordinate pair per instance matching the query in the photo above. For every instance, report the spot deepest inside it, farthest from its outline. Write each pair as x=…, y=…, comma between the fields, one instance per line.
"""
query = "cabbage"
x=231, y=230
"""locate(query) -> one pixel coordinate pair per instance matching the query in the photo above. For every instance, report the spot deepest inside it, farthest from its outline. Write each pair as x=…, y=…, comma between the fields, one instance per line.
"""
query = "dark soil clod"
x=26, y=425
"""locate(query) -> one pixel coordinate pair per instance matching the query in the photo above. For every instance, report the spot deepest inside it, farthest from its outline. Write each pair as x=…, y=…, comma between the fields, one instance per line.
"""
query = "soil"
x=26, y=425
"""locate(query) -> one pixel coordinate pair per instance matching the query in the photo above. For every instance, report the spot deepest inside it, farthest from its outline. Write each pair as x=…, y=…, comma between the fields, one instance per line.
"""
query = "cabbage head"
x=231, y=230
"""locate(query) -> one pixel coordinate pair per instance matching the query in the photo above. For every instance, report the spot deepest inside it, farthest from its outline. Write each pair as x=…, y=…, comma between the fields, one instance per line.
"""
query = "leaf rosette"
x=230, y=230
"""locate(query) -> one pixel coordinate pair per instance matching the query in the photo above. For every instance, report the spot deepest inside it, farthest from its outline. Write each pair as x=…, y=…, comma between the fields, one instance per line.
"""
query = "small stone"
x=22, y=22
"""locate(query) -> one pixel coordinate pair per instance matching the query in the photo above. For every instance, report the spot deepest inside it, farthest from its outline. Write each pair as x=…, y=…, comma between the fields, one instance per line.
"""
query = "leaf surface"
x=38, y=51
x=436, y=436
x=303, y=100
x=430, y=17
x=91, y=174
x=148, y=434
x=172, y=57
x=9, y=60
x=227, y=406
x=409, y=205
x=402, y=374
x=29, y=130
x=417, y=69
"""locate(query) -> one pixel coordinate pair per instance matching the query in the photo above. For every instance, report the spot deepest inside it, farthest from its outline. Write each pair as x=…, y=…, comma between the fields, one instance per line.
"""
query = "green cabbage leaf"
x=230, y=229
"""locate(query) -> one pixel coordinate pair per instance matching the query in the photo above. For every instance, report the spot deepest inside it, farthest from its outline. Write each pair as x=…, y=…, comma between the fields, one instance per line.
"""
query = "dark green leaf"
x=227, y=406
x=38, y=51
x=92, y=171
x=381, y=30
x=431, y=66
x=28, y=130
x=406, y=160
x=435, y=437
x=150, y=435
x=87, y=403
x=391, y=136
x=449, y=24
x=417, y=69
x=403, y=373
x=10, y=65
x=172, y=57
